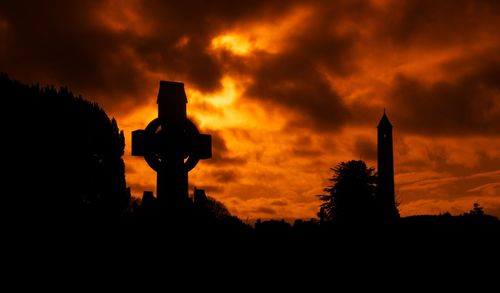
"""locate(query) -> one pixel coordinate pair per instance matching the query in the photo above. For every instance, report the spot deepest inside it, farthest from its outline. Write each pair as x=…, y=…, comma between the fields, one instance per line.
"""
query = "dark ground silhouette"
x=65, y=170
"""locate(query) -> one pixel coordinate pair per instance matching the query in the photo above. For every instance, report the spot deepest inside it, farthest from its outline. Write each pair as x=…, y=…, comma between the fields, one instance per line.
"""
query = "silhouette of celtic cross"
x=171, y=145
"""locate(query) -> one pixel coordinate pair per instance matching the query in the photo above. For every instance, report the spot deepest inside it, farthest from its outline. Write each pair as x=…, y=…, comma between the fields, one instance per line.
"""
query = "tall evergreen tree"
x=352, y=197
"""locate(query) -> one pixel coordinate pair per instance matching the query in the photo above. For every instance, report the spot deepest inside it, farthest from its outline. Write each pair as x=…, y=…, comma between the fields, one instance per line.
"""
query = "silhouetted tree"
x=206, y=206
x=64, y=155
x=477, y=216
x=477, y=210
x=351, y=198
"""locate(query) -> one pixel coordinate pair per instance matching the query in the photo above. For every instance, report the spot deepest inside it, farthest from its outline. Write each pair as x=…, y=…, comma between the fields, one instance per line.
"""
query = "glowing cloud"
x=270, y=37
x=288, y=89
x=234, y=43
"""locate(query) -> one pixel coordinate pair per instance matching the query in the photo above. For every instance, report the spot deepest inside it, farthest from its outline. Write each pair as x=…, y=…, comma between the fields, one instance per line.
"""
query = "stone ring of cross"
x=163, y=146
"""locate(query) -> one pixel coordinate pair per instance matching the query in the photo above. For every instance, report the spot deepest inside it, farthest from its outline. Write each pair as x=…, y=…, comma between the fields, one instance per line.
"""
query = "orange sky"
x=288, y=89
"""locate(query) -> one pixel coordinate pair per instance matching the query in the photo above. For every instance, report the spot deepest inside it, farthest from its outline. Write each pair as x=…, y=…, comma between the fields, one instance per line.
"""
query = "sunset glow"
x=233, y=43
x=288, y=89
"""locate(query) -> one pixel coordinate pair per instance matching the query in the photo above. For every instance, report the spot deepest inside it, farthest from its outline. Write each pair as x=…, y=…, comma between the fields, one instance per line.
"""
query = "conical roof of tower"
x=384, y=122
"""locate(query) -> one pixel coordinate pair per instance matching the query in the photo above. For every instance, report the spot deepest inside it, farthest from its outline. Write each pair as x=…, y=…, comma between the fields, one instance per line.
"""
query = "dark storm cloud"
x=198, y=22
x=467, y=105
x=437, y=23
x=265, y=210
x=292, y=81
x=297, y=78
x=65, y=42
x=365, y=148
x=58, y=41
x=333, y=41
x=465, y=100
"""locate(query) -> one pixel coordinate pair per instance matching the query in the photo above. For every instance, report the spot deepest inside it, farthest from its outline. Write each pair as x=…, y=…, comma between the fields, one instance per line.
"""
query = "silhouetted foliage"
x=306, y=229
x=64, y=161
x=217, y=208
x=351, y=198
x=214, y=216
x=273, y=229
x=64, y=153
x=477, y=210
x=209, y=206
x=475, y=217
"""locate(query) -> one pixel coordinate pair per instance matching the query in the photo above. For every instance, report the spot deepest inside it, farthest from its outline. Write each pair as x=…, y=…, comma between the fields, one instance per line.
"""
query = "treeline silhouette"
x=63, y=157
